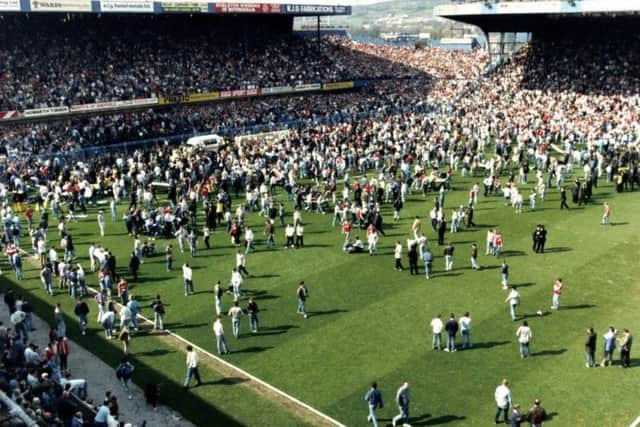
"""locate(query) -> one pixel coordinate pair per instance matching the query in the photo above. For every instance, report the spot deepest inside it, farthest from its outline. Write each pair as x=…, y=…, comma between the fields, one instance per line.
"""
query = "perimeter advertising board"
x=248, y=8
x=10, y=5
x=126, y=6
x=184, y=7
x=61, y=5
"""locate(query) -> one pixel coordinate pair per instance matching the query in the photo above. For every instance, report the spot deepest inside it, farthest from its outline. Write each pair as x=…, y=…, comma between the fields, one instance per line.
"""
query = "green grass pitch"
x=370, y=322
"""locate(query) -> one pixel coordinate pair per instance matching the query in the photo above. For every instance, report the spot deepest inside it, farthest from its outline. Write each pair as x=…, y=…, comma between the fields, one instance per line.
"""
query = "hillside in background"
x=400, y=16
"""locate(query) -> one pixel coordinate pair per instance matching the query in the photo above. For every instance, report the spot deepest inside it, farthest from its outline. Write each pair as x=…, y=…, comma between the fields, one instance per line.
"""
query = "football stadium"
x=211, y=219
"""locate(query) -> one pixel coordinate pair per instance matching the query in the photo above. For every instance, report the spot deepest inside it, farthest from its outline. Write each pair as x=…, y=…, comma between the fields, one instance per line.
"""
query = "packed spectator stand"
x=88, y=59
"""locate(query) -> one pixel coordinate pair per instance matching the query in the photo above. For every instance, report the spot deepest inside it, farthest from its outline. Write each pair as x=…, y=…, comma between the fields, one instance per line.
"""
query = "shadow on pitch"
x=157, y=352
x=265, y=276
x=426, y=420
x=550, y=352
x=489, y=344
x=551, y=415
x=576, y=307
x=276, y=330
x=450, y=274
x=227, y=381
x=558, y=249
x=523, y=285
x=326, y=312
x=512, y=253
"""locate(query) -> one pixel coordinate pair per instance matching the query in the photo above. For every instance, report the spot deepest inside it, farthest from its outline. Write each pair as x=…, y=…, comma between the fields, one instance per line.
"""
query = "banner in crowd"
x=126, y=6
x=48, y=111
x=111, y=105
x=10, y=5
x=8, y=115
x=276, y=90
x=315, y=9
x=248, y=8
x=337, y=85
x=307, y=87
x=239, y=93
x=186, y=7
x=61, y=5
x=188, y=99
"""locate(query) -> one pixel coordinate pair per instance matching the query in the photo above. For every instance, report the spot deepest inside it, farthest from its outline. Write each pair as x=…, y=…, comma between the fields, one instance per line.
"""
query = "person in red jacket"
x=62, y=348
x=28, y=214
x=346, y=230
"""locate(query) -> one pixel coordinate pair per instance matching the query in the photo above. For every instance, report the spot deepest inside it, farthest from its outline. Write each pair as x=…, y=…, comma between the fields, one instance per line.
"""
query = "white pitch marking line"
x=237, y=369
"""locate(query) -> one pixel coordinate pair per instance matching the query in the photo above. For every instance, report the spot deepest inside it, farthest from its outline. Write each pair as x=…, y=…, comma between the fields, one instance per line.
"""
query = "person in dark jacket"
x=442, y=228
x=516, y=416
x=536, y=414
x=413, y=259
x=374, y=401
x=452, y=330
x=82, y=311
x=134, y=265
x=563, y=199
x=590, y=347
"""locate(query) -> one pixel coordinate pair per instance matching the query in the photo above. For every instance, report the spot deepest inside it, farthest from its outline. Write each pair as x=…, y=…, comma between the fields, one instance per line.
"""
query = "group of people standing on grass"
x=624, y=343
x=535, y=416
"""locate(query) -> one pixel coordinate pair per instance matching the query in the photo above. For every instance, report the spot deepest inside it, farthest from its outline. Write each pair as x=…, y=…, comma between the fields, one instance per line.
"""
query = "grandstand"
x=96, y=106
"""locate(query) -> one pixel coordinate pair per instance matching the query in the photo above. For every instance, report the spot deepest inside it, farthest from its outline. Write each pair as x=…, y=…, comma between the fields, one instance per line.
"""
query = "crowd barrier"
x=169, y=100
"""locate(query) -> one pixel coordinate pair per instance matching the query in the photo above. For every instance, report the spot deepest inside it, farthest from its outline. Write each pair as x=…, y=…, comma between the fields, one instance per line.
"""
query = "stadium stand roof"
x=169, y=7
x=533, y=15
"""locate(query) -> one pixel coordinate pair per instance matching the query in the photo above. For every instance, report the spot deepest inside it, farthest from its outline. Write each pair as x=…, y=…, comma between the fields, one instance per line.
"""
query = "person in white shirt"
x=299, y=236
x=248, y=237
x=92, y=257
x=192, y=367
x=436, y=329
x=181, y=235
x=524, y=336
x=125, y=317
x=221, y=342
x=137, y=249
x=41, y=246
x=297, y=217
x=112, y=207
x=372, y=241
x=490, y=235
x=465, y=330
x=241, y=263
x=289, y=232
x=187, y=275
x=513, y=299
x=236, y=283
x=101, y=222
x=397, y=254
x=557, y=291
x=53, y=258
x=503, y=399
x=236, y=314
x=217, y=292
